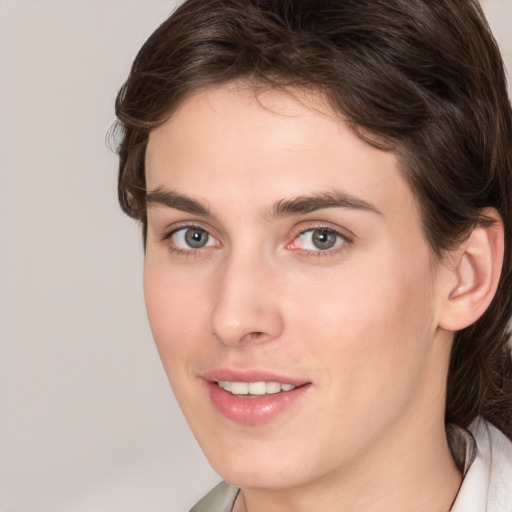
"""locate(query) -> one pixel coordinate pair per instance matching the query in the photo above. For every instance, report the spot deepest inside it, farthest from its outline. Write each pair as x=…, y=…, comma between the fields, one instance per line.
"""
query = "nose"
x=246, y=307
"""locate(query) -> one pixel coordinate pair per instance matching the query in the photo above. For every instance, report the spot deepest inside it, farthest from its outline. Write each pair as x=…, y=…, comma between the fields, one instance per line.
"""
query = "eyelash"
x=180, y=251
x=341, y=245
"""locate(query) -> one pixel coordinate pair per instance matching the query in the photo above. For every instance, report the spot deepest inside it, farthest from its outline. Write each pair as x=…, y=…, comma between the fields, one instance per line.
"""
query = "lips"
x=253, y=397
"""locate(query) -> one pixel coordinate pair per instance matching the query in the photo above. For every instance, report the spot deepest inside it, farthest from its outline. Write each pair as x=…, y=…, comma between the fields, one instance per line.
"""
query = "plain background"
x=87, y=419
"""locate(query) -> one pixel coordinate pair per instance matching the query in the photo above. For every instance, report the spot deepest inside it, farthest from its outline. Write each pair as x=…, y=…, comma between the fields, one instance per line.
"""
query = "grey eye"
x=196, y=238
x=319, y=240
x=192, y=238
x=323, y=239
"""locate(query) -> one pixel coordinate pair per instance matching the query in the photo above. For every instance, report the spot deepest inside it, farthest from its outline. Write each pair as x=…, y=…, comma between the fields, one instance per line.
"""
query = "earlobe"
x=476, y=272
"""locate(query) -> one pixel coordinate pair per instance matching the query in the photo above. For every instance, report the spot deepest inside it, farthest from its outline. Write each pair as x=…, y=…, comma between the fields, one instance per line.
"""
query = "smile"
x=254, y=397
x=255, y=388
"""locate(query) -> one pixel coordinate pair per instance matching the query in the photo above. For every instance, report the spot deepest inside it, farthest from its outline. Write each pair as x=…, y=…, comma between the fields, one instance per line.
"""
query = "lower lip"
x=253, y=409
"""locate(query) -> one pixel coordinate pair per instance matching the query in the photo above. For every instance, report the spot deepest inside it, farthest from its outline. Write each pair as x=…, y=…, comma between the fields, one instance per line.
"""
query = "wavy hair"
x=423, y=77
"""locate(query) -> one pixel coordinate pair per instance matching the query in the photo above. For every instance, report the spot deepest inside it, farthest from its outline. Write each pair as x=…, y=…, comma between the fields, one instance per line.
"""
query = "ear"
x=475, y=269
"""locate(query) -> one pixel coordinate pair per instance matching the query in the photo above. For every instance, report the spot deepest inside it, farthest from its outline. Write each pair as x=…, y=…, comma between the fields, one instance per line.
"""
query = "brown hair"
x=423, y=77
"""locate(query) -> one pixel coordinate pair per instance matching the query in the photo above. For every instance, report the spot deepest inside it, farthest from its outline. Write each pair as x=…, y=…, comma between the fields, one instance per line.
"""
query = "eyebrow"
x=300, y=205
x=163, y=197
x=307, y=204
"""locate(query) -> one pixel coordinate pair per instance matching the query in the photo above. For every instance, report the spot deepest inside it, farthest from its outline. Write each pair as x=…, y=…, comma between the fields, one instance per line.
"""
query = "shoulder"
x=220, y=499
x=487, y=486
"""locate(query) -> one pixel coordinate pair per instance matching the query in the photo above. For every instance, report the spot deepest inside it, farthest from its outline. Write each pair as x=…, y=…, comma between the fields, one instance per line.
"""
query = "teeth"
x=254, y=388
x=239, y=388
x=257, y=388
x=275, y=387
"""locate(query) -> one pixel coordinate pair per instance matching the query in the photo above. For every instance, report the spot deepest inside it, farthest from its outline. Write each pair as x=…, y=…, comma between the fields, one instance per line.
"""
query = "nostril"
x=252, y=336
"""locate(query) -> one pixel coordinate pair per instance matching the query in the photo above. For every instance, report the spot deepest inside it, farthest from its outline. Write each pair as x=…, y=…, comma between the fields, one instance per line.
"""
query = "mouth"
x=254, y=397
x=255, y=389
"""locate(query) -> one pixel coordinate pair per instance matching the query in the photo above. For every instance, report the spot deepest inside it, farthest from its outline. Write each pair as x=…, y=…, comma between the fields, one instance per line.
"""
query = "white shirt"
x=487, y=486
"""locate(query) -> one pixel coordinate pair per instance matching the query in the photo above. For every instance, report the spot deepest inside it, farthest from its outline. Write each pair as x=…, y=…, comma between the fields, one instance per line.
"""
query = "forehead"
x=257, y=115
x=232, y=143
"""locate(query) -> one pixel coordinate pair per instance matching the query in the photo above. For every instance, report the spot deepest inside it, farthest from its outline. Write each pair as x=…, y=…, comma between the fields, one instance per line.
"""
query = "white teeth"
x=254, y=388
x=257, y=388
x=275, y=387
x=239, y=388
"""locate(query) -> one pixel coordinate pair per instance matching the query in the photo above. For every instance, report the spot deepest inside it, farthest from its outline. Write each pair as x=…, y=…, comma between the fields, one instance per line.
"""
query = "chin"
x=260, y=465
x=256, y=476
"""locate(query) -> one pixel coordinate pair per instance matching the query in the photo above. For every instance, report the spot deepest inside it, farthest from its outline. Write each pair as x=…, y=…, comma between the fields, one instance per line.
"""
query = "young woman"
x=325, y=194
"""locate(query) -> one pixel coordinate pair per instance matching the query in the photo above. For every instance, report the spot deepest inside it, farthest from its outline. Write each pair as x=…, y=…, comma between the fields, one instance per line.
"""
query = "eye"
x=191, y=238
x=319, y=239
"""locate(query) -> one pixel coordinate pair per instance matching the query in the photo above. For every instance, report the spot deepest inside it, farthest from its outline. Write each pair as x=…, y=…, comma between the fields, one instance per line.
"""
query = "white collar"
x=487, y=486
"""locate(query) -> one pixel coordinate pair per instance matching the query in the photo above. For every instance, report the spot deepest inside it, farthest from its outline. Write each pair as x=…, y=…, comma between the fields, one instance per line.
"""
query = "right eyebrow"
x=303, y=205
x=171, y=199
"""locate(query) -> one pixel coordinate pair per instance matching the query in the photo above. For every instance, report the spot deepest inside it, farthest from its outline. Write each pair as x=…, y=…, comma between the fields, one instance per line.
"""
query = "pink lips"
x=252, y=409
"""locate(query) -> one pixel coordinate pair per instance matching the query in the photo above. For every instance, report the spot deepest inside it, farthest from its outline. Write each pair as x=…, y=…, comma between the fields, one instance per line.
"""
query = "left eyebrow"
x=306, y=204
x=171, y=199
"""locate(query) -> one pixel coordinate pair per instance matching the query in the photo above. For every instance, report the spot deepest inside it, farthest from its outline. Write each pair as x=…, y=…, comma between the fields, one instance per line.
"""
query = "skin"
x=360, y=322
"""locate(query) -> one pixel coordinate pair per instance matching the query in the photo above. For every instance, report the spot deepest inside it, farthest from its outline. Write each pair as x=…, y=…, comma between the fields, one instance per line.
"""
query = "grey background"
x=87, y=419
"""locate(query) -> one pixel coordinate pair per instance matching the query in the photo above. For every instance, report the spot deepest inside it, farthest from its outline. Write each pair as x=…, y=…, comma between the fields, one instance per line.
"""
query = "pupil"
x=196, y=238
x=324, y=239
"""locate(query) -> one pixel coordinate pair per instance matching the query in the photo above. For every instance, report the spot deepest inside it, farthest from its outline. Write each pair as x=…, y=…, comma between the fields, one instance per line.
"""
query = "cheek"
x=370, y=328
x=175, y=315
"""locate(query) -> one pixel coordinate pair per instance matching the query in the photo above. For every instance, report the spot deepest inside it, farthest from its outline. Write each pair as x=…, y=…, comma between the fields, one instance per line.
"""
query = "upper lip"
x=233, y=375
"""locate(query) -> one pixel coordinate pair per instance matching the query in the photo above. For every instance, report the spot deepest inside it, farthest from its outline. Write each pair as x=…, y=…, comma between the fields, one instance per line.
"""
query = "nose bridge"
x=244, y=307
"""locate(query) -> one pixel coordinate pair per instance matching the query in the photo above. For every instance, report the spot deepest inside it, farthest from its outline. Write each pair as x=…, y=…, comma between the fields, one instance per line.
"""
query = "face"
x=290, y=291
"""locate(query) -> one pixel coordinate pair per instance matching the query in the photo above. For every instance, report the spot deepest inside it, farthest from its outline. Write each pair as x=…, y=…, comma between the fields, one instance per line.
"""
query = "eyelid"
x=170, y=231
x=346, y=236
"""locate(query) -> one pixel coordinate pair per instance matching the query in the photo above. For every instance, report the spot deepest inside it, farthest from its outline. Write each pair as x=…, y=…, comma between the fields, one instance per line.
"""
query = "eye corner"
x=189, y=239
x=319, y=240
